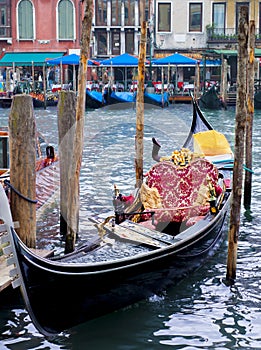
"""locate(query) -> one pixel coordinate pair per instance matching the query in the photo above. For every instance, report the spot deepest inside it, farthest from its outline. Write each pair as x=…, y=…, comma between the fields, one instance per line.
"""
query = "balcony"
x=226, y=36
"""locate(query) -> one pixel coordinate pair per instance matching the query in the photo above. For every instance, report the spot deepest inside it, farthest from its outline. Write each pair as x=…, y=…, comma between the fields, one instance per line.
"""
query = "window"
x=115, y=12
x=3, y=21
x=145, y=10
x=116, y=41
x=129, y=41
x=5, y=18
x=195, y=17
x=219, y=16
x=102, y=42
x=25, y=20
x=164, y=18
x=238, y=5
x=66, y=20
x=101, y=12
x=129, y=12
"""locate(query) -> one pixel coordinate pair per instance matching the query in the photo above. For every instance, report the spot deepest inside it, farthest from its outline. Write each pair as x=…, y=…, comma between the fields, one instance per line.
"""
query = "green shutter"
x=25, y=20
x=66, y=20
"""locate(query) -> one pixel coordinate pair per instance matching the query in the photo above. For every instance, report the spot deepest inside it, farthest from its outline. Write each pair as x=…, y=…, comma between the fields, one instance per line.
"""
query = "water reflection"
x=199, y=313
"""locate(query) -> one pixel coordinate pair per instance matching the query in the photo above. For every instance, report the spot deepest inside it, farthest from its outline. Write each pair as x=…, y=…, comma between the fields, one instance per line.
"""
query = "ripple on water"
x=200, y=312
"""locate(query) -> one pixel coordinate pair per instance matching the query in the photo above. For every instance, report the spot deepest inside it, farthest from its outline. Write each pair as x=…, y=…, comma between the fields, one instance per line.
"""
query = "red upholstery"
x=179, y=188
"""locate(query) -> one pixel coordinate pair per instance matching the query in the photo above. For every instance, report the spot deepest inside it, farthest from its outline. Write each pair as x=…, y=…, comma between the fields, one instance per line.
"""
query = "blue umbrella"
x=176, y=59
x=125, y=60
x=72, y=59
x=122, y=60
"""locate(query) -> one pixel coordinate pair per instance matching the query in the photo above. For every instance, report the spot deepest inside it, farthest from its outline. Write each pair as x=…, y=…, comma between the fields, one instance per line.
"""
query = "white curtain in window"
x=219, y=18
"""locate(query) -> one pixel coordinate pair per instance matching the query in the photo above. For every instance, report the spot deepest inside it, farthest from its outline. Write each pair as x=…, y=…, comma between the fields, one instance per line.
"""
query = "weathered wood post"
x=239, y=145
x=197, y=81
x=8, y=79
x=66, y=129
x=33, y=75
x=22, y=144
x=140, y=102
x=44, y=85
x=162, y=86
x=223, y=86
x=61, y=74
x=74, y=171
x=250, y=116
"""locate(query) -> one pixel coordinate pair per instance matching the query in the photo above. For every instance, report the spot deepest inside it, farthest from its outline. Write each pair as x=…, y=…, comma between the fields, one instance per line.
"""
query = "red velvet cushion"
x=179, y=188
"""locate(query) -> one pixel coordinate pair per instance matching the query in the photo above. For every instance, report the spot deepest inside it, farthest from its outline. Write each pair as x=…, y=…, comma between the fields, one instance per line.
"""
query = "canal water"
x=200, y=312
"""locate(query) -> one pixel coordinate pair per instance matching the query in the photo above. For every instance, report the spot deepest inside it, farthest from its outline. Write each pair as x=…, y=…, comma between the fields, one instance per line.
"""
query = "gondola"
x=113, y=97
x=94, y=99
x=257, y=99
x=154, y=99
x=50, y=100
x=211, y=100
x=47, y=164
x=160, y=100
x=141, y=250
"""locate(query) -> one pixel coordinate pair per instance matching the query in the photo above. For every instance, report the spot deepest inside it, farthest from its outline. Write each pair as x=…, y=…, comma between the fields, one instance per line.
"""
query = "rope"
x=249, y=170
x=231, y=166
x=7, y=183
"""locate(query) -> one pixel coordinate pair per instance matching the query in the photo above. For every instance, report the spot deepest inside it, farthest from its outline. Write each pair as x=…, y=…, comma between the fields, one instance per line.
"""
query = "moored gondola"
x=148, y=246
x=211, y=100
x=95, y=99
x=46, y=167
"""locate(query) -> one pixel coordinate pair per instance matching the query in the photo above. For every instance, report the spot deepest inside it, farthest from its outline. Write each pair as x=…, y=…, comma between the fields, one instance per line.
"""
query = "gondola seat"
x=183, y=191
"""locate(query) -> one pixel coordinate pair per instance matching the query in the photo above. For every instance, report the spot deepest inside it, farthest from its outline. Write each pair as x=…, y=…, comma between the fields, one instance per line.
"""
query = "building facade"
x=173, y=25
x=192, y=27
x=40, y=25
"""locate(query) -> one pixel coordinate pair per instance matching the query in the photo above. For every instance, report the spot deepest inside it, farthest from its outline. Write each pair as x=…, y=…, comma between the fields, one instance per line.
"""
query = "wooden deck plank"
x=180, y=98
x=131, y=236
x=5, y=279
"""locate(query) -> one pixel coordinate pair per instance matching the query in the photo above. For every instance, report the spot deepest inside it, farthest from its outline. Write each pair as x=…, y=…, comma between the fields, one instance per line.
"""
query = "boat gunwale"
x=137, y=259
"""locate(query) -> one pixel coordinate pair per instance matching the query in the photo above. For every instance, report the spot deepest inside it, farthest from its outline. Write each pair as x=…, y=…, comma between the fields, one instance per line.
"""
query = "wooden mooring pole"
x=223, y=86
x=239, y=144
x=250, y=116
x=74, y=171
x=197, y=81
x=22, y=145
x=140, y=102
x=66, y=129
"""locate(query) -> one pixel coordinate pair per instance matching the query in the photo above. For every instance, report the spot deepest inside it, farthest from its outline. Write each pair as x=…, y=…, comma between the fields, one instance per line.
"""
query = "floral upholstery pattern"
x=183, y=190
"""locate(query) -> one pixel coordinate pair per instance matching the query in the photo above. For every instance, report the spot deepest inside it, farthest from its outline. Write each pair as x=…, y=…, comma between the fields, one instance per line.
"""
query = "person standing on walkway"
x=51, y=78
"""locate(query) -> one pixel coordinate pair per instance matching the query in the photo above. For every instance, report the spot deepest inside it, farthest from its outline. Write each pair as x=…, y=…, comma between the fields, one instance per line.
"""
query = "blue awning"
x=72, y=59
x=27, y=58
x=175, y=60
x=210, y=63
x=122, y=60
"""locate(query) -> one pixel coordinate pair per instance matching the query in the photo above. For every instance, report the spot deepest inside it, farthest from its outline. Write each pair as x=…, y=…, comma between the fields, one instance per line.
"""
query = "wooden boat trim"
x=180, y=240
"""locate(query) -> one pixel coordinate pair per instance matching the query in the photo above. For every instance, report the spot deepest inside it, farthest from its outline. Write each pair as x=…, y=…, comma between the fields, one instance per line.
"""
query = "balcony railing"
x=226, y=35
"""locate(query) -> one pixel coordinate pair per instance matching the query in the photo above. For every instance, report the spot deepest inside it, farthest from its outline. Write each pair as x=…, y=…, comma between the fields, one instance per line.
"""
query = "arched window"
x=25, y=20
x=66, y=20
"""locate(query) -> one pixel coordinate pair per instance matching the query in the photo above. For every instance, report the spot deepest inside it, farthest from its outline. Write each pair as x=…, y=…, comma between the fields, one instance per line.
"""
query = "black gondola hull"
x=94, y=100
x=62, y=292
x=210, y=100
x=49, y=103
x=64, y=295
